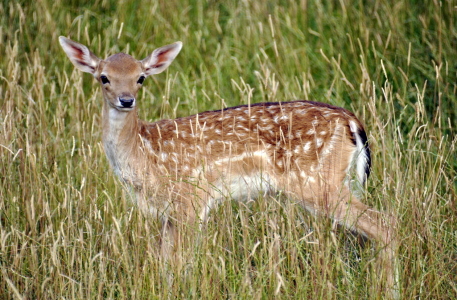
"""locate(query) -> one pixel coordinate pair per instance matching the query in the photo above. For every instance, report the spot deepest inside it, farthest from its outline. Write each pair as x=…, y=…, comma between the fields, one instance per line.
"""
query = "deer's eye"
x=141, y=79
x=104, y=79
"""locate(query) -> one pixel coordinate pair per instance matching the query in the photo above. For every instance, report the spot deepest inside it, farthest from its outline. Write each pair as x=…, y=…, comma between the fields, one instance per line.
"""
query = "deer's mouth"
x=125, y=109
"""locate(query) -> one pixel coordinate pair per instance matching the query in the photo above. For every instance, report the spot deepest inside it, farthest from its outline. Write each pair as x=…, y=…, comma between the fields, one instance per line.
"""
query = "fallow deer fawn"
x=180, y=169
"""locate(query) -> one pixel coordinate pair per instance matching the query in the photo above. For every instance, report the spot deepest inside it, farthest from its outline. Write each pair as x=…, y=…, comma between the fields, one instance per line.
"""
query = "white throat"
x=114, y=123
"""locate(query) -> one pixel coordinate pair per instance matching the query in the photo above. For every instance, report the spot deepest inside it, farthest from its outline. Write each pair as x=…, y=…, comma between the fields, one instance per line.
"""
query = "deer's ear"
x=161, y=58
x=80, y=55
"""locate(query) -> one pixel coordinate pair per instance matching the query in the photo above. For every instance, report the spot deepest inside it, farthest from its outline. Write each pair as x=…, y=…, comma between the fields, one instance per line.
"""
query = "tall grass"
x=67, y=227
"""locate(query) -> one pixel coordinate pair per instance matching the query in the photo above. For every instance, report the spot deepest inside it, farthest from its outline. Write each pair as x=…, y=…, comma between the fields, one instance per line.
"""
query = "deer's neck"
x=121, y=140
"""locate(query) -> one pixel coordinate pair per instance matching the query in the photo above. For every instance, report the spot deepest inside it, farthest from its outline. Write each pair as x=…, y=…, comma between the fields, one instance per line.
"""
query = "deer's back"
x=290, y=135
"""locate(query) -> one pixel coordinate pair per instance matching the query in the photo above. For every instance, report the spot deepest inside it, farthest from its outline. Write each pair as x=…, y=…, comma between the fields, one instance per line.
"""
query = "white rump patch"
x=360, y=156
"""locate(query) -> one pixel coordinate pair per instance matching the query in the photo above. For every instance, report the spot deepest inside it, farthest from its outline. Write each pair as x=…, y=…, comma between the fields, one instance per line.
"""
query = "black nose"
x=126, y=101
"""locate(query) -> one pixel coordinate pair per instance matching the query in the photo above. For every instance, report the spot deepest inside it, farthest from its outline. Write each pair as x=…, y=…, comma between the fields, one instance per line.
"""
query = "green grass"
x=67, y=227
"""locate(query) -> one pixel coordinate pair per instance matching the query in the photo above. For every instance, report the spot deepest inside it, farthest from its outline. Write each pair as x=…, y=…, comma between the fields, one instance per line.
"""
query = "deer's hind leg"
x=347, y=210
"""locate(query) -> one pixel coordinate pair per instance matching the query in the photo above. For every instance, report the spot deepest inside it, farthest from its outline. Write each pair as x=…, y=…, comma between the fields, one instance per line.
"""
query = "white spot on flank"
x=297, y=149
x=277, y=118
x=174, y=158
x=319, y=142
x=328, y=115
x=265, y=120
x=311, y=131
x=266, y=128
x=307, y=146
x=163, y=156
x=166, y=143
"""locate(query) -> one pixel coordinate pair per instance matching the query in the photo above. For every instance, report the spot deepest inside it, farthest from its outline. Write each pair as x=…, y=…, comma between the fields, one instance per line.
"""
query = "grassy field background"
x=67, y=228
